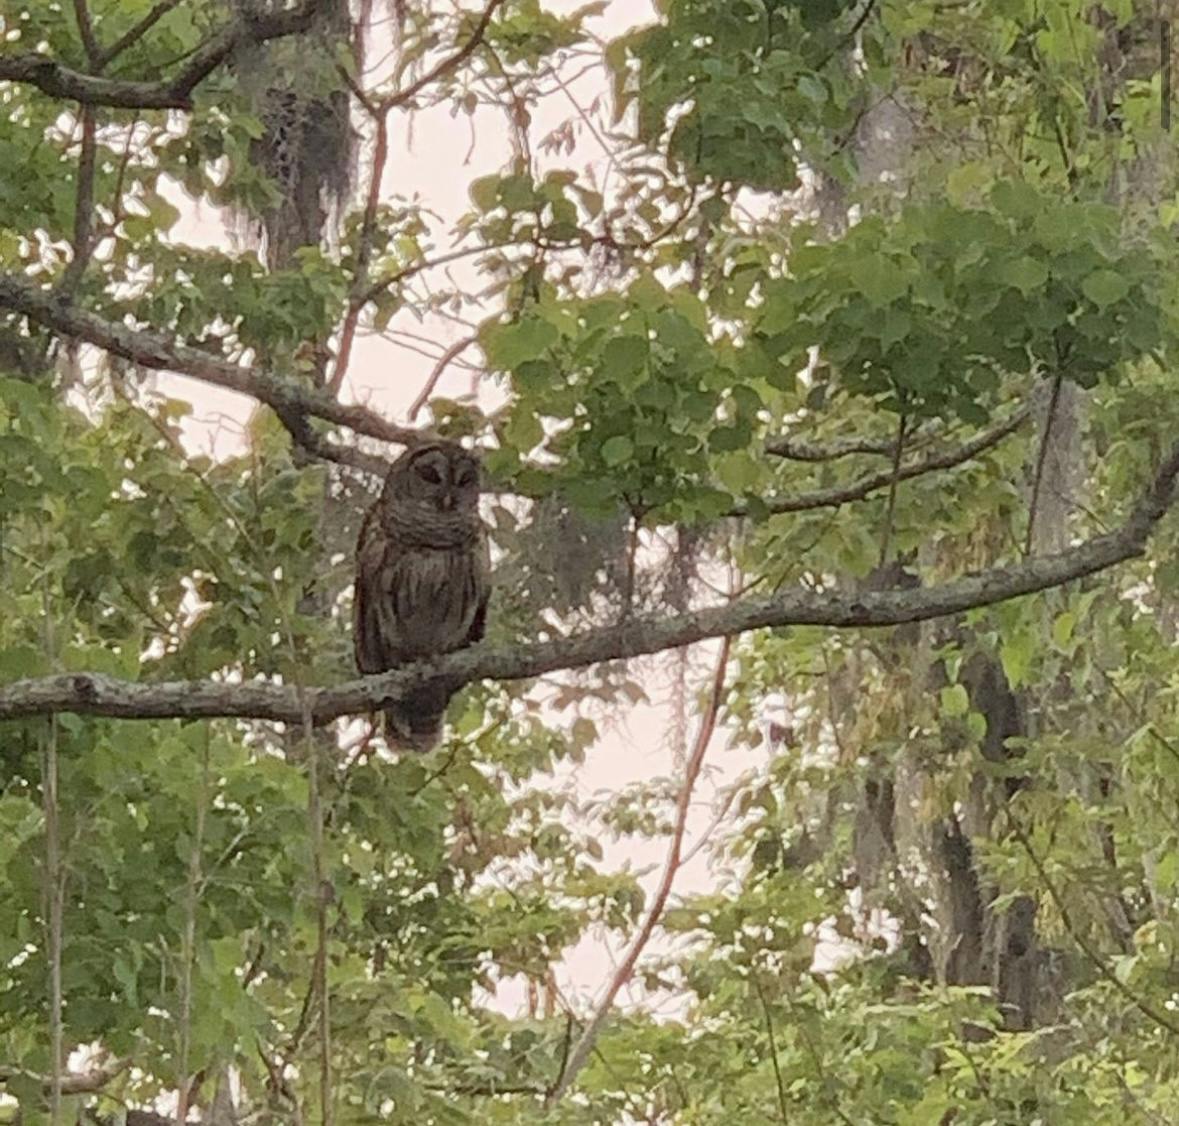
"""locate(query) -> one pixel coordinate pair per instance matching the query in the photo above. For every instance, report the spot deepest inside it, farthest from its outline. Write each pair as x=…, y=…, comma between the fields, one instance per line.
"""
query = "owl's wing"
x=369, y=623
x=479, y=621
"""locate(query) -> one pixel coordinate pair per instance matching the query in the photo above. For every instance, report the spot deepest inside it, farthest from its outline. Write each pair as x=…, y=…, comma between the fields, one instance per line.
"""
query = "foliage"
x=948, y=895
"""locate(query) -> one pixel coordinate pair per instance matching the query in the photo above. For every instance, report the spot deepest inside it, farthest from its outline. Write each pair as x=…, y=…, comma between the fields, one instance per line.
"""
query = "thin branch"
x=379, y=286
x=589, y=1034
x=56, y=80
x=155, y=350
x=1041, y=460
x=849, y=37
x=86, y=31
x=136, y=32
x=817, y=1063
x=364, y=248
x=1086, y=947
x=83, y=203
x=54, y=884
x=309, y=441
x=890, y=511
x=443, y=68
x=444, y=361
x=799, y=449
x=839, y=495
x=192, y=892
x=783, y=1107
x=323, y=896
x=1165, y=73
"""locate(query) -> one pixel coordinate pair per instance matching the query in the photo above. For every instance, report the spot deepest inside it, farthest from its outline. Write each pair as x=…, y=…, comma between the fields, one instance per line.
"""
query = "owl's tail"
x=415, y=723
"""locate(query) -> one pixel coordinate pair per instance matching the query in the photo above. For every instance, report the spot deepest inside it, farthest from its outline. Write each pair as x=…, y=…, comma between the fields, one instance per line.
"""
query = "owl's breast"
x=433, y=596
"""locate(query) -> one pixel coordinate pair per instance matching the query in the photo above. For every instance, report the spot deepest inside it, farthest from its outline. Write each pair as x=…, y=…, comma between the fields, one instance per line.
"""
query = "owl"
x=422, y=578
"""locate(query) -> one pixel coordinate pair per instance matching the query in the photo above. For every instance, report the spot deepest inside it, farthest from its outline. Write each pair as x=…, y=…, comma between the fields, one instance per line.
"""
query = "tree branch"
x=155, y=350
x=436, y=373
x=844, y=494
x=589, y=1034
x=83, y=203
x=308, y=440
x=95, y=694
x=73, y=1082
x=137, y=32
x=86, y=32
x=401, y=97
x=799, y=449
x=58, y=81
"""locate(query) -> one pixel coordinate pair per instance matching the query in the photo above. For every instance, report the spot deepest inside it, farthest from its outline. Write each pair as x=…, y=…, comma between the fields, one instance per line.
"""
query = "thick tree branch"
x=94, y=694
x=58, y=81
x=839, y=495
x=309, y=441
x=154, y=350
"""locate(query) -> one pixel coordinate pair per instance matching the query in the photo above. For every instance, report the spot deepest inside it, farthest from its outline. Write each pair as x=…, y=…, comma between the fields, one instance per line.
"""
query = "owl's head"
x=434, y=486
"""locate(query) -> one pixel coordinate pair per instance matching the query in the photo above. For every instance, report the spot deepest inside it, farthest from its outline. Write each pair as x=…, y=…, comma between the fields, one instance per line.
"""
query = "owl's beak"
x=447, y=502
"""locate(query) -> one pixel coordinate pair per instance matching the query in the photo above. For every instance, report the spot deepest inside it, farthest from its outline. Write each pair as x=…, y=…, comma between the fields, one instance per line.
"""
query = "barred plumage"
x=422, y=578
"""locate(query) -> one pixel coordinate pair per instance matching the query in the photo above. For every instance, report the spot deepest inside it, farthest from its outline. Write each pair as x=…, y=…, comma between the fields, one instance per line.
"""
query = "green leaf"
x=1104, y=287
x=509, y=345
x=617, y=450
x=1026, y=274
x=954, y=701
x=625, y=358
x=524, y=429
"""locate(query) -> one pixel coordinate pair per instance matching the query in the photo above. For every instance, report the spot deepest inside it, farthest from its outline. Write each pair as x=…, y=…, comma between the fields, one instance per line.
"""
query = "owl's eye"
x=466, y=477
x=429, y=473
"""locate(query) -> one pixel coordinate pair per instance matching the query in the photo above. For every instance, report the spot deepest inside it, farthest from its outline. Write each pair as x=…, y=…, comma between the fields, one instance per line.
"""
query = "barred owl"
x=422, y=578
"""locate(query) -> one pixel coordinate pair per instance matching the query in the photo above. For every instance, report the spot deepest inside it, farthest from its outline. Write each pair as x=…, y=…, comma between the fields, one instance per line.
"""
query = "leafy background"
x=943, y=889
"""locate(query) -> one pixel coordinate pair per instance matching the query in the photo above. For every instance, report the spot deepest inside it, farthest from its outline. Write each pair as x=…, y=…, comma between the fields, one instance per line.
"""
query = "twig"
x=589, y=1035
x=53, y=890
x=820, y=1071
x=852, y=32
x=136, y=32
x=368, y=227
x=86, y=30
x=443, y=68
x=192, y=891
x=83, y=204
x=449, y=256
x=322, y=893
x=891, y=508
x=783, y=1109
x=1083, y=943
x=444, y=361
x=1165, y=73
x=1041, y=459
